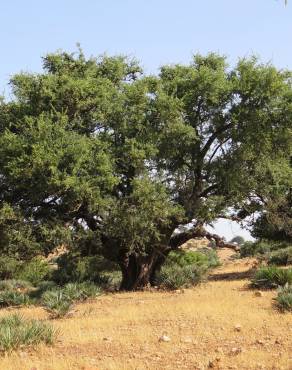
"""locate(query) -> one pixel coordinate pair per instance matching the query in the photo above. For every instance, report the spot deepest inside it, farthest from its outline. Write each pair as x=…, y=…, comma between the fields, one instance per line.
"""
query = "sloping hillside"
x=220, y=324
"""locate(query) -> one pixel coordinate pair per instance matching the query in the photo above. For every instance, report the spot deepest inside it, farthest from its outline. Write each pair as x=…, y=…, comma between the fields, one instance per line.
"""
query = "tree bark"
x=138, y=272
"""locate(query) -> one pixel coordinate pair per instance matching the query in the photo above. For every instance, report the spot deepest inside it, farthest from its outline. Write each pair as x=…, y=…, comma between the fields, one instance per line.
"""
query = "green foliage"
x=272, y=277
x=13, y=298
x=75, y=268
x=13, y=284
x=59, y=301
x=81, y=291
x=9, y=267
x=56, y=302
x=34, y=271
x=16, y=332
x=284, y=298
x=174, y=276
x=281, y=257
x=98, y=157
x=184, y=269
x=261, y=247
x=182, y=258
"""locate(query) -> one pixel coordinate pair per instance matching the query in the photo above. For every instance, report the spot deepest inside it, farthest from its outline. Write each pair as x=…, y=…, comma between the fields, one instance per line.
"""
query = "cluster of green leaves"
x=59, y=301
x=284, y=298
x=16, y=332
x=272, y=277
x=185, y=268
x=281, y=257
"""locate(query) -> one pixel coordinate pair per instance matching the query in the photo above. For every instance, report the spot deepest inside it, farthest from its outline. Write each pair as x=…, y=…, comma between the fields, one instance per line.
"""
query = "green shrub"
x=186, y=258
x=74, y=268
x=174, y=276
x=34, y=271
x=12, y=284
x=9, y=267
x=43, y=287
x=59, y=301
x=272, y=277
x=13, y=298
x=284, y=298
x=281, y=257
x=56, y=302
x=260, y=247
x=17, y=332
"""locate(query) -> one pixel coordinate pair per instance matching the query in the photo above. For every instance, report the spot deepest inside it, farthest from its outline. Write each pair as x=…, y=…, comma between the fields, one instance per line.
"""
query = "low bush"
x=56, y=302
x=34, y=271
x=281, y=257
x=284, y=298
x=184, y=269
x=174, y=276
x=81, y=291
x=14, y=298
x=59, y=301
x=17, y=332
x=75, y=268
x=261, y=247
x=272, y=277
x=9, y=267
x=183, y=258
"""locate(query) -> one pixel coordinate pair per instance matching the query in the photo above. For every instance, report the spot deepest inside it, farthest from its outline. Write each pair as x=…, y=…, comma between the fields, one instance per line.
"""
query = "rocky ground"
x=221, y=324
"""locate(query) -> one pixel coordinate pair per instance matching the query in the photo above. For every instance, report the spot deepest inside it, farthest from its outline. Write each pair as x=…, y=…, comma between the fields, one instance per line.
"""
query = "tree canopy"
x=97, y=155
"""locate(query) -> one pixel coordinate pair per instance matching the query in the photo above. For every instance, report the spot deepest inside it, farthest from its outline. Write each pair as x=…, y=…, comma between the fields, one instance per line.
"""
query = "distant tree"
x=238, y=240
x=95, y=155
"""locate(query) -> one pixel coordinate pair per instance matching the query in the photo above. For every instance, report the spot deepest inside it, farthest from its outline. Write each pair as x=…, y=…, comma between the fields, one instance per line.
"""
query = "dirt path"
x=219, y=325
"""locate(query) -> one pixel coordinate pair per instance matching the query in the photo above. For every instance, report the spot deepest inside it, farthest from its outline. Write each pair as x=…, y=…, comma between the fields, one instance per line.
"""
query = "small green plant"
x=14, y=298
x=56, y=302
x=284, y=298
x=81, y=291
x=34, y=271
x=281, y=257
x=17, y=332
x=174, y=276
x=272, y=277
x=9, y=267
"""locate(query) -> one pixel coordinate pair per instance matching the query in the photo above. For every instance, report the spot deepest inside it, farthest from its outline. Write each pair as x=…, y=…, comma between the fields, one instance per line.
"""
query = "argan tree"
x=98, y=156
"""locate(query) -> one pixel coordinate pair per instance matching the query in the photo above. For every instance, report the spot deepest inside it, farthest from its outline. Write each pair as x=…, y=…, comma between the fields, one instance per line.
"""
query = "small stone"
x=214, y=363
x=186, y=340
x=258, y=293
x=164, y=338
x=107, y=339
x=237, y=327
x=259, y=341
x=235, y=350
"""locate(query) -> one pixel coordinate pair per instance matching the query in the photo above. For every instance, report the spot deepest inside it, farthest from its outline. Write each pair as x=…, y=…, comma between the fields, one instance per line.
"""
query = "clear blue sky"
x=154, y=31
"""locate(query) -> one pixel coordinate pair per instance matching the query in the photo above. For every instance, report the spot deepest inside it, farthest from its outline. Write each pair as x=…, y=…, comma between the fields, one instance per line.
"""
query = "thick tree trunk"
x=139, y=272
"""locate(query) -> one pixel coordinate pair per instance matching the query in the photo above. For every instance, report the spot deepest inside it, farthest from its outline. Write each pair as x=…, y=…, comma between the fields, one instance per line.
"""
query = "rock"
x=186, y=340
x=258, y=293
x=214, y=363
x=259, y=341
x=235, y=350
x=164, y=338
x=237, y=327
x=107, y=339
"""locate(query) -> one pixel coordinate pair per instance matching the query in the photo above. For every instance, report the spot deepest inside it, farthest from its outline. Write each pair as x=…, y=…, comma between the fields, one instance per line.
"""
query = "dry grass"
x=121, y=331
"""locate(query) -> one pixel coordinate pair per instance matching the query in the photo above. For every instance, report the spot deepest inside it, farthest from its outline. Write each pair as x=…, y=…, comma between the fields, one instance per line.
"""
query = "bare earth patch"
x=219, y=325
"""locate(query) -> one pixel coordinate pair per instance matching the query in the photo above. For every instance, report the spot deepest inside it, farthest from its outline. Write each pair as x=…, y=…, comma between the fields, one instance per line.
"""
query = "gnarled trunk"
x=139, y=271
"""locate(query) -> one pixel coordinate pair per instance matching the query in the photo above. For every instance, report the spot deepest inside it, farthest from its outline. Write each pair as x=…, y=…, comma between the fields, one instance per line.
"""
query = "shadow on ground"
x=231, y=276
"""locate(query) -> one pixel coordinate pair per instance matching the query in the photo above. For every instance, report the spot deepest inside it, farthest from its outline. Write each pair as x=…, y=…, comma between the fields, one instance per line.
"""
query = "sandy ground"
x=219, y=325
